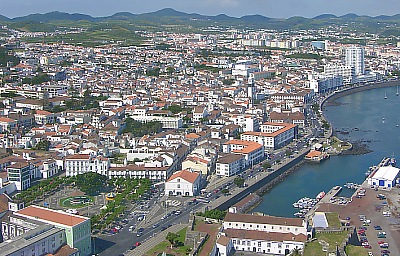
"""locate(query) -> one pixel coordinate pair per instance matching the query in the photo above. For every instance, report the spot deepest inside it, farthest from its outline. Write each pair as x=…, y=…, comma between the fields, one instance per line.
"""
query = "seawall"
x=264, y=183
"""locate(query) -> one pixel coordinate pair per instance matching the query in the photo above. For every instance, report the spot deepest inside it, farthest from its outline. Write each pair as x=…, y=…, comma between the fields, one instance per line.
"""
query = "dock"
x=325, y=200
x=372, y=170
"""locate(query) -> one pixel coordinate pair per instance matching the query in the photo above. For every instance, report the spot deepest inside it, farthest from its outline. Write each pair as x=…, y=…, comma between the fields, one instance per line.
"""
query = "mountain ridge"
x=171, y=16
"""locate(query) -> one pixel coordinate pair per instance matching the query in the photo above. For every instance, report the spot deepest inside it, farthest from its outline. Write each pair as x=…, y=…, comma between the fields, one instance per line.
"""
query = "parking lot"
x=367, y=213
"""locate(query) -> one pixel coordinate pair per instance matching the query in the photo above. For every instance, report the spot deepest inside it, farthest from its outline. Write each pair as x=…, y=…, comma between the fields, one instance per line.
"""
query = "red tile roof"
x=40, y=213
x=186, y=175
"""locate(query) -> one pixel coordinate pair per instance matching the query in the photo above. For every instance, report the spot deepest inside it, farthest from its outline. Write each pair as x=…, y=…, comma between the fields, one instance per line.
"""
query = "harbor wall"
x=267, y=182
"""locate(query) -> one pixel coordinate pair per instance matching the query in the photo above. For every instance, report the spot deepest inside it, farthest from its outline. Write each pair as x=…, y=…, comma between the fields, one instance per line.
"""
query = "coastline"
x=358, y=145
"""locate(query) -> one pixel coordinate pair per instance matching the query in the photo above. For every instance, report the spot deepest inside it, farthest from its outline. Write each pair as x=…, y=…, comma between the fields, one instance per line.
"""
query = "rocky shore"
x=359, y=148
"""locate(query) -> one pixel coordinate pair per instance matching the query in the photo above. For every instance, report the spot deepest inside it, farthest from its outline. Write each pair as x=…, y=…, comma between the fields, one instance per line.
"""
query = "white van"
x=386, y=214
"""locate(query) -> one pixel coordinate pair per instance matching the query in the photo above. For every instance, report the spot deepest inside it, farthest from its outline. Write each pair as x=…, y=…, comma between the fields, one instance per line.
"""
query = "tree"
x=225, y=191
x=90, y=183
x=238, y=181
x=172, y=237
x=43, y=145
x=266, y=165
x=288, y=152
x=215, y=214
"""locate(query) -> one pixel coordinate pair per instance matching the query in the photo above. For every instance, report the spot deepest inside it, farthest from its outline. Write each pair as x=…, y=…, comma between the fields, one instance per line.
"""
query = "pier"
x=325, y=200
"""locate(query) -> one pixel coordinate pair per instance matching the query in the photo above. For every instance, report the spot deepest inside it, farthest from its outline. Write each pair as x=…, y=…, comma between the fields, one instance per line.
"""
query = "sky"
x=235, y=8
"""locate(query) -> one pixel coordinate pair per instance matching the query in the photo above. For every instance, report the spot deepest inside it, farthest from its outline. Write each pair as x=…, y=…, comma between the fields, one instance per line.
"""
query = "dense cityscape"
x=162, y=143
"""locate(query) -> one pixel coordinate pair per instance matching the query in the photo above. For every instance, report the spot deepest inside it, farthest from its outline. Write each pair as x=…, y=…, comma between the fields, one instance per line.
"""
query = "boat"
x=397, y=91
x=385, y=96
x=320, y=195
x=392, y=161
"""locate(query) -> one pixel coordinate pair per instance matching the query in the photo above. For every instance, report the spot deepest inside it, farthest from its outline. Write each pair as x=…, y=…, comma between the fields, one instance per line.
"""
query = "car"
x=381, y=236
x=141, y=230
x=367, y=246
x=132, y=247
x=385, y=251
x=377, y=228
x=139, y=234
x=163, y=228
x=156, y=225
x=138, y=243
x=381, y=242
x=370, y=254
x=384, y=245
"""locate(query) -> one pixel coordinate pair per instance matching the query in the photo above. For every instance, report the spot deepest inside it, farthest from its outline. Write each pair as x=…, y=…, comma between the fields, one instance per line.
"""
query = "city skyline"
x=235, y=8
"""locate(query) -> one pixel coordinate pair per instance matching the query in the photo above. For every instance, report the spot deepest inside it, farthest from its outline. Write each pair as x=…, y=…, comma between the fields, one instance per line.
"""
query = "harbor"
x=381, y=139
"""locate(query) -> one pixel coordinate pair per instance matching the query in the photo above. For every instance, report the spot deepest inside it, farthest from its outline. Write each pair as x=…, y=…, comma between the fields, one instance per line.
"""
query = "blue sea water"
x=376, y=120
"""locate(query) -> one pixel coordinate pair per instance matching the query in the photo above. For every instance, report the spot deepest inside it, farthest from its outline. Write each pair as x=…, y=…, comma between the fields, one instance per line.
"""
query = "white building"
x=384, y=177
x=252, y=152
x=183, y=183
x=247, y=122
x=325, y=83
x=265, y=234
x=339, y=70
x=272, y=135
x=229, y=165
x=355, y=59
x=83, y=163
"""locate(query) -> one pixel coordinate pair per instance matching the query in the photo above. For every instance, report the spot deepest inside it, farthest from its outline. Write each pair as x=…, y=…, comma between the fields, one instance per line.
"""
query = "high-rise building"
x=355, y=59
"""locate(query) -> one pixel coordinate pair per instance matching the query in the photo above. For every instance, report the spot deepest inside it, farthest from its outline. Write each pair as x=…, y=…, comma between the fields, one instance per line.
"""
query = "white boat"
x=320, y=195
x=385, y=96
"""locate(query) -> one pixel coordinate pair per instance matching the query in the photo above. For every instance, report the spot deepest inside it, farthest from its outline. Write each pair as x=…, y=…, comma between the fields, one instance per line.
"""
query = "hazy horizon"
x=234, y=8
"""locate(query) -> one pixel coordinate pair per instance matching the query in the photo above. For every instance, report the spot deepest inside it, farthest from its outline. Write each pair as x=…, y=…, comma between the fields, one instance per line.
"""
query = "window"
x=287, y=246
x=234, y=241
x=259, y=244
x=268, y=245
x=279, y=245
x=243, y=242
x=248, y=243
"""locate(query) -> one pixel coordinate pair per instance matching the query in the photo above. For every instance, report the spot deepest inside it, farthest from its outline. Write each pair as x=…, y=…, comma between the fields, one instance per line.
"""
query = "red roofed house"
x=253, y=152
x=7, y=124
x=197, y=163
x=183, y=183
x=272, y=135
x=44, y=117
